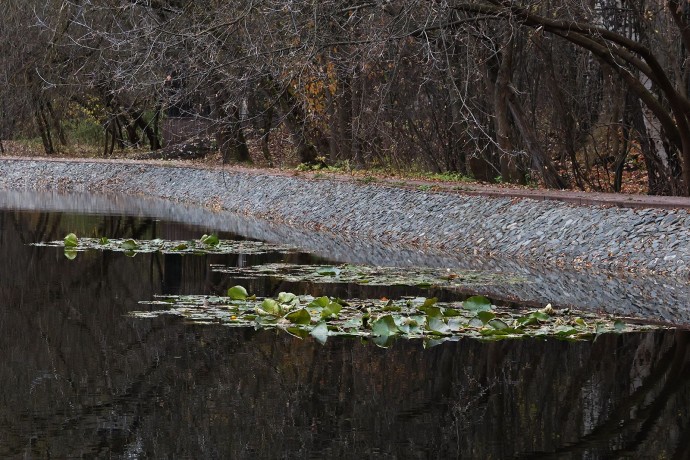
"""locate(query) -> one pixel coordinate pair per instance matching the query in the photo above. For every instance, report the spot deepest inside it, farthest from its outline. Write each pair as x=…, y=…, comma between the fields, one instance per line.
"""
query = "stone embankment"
x=530, y=230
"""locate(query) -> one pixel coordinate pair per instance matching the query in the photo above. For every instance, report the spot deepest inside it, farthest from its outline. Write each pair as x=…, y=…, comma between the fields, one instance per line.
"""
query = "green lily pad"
x=71, y=241
x=129, y=245
x=300, y=316
x=331, y=309
x=384, y=326
x=208, y=244
x=287, y=298
x=210, y=240
x=270, y=307
x=370, y=275
x=477, y=303
x=238, y=293
x=485, y=316
x=376, y=319
x=436, y=325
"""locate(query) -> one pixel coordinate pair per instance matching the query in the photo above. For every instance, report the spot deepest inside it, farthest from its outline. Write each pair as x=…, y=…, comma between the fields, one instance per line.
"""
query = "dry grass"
x=599, y=180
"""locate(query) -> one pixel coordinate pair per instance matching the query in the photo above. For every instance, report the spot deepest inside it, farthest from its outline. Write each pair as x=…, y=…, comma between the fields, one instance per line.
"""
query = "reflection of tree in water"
x=276, y=395
x=81, y=378
x=64, y=318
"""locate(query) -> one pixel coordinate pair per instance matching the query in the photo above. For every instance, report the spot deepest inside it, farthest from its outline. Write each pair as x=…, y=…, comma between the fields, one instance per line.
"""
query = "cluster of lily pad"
x=422, y=277
x=207, y=244
x=383, y=320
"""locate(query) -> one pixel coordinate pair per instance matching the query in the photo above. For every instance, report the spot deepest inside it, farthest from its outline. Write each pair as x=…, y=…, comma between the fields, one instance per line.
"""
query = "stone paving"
x=548, y=232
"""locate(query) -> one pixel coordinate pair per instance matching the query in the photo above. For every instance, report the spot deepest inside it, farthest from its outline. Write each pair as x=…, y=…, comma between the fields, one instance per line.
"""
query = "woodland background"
x=561, y=93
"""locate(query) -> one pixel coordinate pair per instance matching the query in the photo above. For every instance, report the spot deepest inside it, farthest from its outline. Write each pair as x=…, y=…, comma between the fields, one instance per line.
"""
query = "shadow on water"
x=80, y=378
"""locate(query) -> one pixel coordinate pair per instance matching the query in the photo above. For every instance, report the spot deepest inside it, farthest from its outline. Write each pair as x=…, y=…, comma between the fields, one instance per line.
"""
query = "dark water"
x=78, y=378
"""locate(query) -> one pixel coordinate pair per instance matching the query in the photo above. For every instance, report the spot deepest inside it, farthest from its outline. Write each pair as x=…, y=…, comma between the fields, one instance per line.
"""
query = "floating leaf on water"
x=429, y=302
x=497, y=324
x=319, y=302
x=353, y=323
x=391, y=306
x=210, y=240
x=499, y=333
x=262, y=321
x=432, y=312
x=270, y=307
x=486, y=316
x=367, y=318
x=320, y=332
x=450, y=312
x=437, y=326
x=423, y=277
x=328, y=271
x=331, y=309
x=456, y=324
x=237, y=293
x=383, y=341
x=297, y=332
x=169, y=247
x=384, y=326
x=129, y=245
x=71, y=240
x=565, y=331
x=406, y=325
x=475, y=323
x=533, y=318
x=477, y=303
x=300, y=316
x=287, y=298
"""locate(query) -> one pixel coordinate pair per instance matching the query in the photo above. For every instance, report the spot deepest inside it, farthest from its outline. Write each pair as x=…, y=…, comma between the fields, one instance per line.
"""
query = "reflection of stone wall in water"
x=177, y=130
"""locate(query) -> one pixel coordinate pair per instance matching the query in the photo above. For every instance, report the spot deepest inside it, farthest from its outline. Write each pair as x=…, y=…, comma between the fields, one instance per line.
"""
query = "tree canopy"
x=565, y=92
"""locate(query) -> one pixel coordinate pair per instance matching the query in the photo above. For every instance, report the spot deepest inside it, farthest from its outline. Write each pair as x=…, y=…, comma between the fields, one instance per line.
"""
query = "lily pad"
x=129, y=245
x=320, y=332
x=207, y=244
x=71, y=241
x=477, y=303
x=210, y=240
x=300, y=316
x=422, y=277
x=384, y=326
x=237, y=293
x=323, y=317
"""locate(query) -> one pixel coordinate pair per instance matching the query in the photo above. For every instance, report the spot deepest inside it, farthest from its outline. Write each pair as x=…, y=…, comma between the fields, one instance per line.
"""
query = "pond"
x=82, y=376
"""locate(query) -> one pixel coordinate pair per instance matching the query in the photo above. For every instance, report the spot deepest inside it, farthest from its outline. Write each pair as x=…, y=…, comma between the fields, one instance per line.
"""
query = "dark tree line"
x=565, y=92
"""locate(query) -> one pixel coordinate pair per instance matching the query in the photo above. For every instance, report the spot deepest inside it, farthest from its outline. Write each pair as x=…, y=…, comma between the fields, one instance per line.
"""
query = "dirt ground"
x=627, y=200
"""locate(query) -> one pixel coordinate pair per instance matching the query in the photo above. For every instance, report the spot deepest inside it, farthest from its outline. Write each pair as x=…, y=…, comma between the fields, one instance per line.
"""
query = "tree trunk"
x=540, y=159
x=231, y=139
x=501, y=95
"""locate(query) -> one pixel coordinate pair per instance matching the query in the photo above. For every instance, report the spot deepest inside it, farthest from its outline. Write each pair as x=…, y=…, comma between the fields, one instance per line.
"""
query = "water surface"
x=78, y=377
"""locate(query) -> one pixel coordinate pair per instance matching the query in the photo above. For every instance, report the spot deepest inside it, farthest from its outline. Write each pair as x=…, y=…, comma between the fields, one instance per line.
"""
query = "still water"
x=80, y=378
